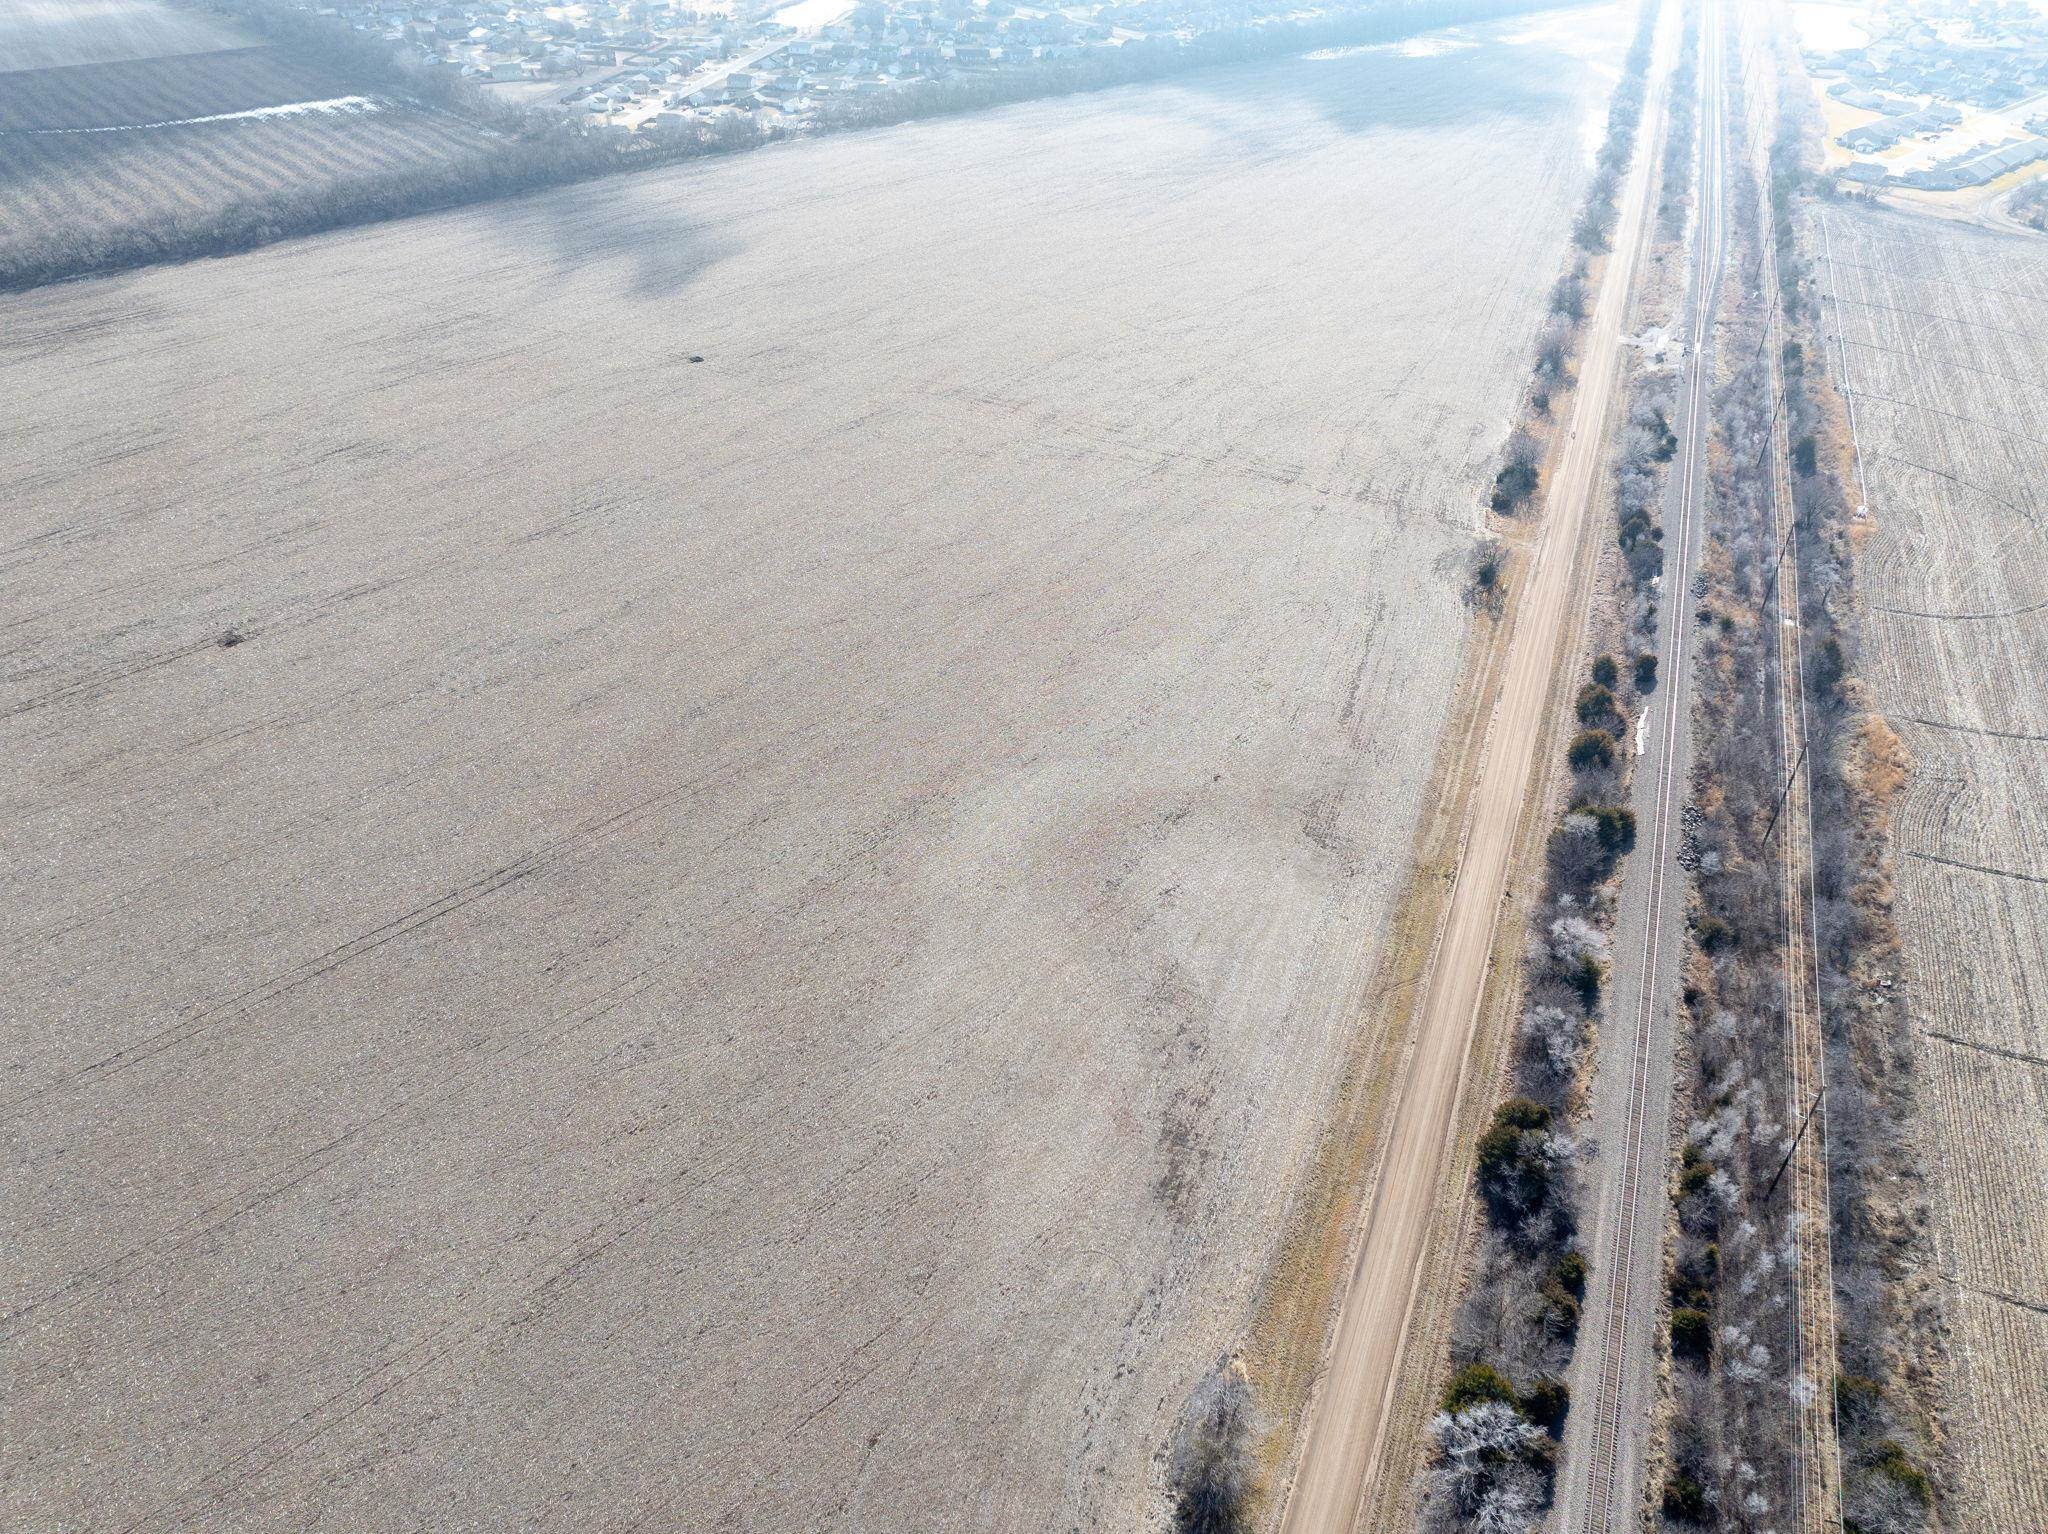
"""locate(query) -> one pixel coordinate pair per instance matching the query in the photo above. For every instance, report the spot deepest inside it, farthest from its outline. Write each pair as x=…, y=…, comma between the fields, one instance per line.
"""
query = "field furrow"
x=141, y=91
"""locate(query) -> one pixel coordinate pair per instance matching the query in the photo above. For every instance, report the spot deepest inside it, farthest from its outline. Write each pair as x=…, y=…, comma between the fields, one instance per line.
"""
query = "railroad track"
x=1635, y=1241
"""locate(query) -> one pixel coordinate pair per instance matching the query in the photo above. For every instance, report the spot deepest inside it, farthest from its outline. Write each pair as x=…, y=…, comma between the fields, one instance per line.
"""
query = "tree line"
x=1731, y=1325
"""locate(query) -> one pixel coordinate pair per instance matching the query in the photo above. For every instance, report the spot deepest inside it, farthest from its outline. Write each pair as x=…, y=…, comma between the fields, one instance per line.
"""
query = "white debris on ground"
x=333, y=104
x=1659, y=346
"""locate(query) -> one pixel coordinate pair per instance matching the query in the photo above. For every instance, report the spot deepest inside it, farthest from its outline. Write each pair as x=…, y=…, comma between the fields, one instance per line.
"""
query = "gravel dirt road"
x=1339, y=1458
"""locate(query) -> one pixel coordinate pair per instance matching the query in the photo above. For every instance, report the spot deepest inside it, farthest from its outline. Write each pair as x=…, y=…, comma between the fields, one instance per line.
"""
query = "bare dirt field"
x=1945, y=346
x=599, y=940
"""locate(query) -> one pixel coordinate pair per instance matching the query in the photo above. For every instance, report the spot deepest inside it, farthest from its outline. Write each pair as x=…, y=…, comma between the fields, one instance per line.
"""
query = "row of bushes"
x=1730, y=1312
x=1648, y=441
x=1731, y=1306
x=1515, y=482
x=1681, y=131
x=1496, y=1448
x=1595, y=227
x=1732, y=1318
x=1881, y=1423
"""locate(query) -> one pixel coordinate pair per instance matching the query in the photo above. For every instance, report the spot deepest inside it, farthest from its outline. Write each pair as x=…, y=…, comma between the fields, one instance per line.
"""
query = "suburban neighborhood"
x=1949, y=97
x=647, y=66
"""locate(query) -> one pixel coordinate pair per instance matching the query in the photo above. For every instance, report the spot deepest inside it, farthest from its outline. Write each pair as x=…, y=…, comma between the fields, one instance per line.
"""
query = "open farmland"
x=70, y=200
x=604, y=940
x=109, y=100
x=107, y=158
x=1945, y=347
x=49, y=34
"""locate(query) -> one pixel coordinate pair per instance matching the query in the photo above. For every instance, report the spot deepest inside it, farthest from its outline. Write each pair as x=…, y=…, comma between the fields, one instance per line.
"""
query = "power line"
x=1794, y=1145
x=1791, y=775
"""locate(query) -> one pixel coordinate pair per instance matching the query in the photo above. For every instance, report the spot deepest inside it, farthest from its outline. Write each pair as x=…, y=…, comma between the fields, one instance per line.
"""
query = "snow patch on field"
x=333, y=104
x=1661, y=348
x=1409, y=48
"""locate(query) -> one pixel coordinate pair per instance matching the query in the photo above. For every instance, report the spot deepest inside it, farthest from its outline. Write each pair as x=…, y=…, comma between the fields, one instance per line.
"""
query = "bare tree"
x=1212, y=1455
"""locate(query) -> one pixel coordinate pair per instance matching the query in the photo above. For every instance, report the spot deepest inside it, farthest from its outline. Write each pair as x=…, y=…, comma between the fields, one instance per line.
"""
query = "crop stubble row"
x=157, y=90
x=50, y=34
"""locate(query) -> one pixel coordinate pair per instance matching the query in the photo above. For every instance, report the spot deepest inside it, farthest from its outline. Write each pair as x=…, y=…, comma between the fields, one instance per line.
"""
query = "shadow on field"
x=615, y=223
x=1360, y=90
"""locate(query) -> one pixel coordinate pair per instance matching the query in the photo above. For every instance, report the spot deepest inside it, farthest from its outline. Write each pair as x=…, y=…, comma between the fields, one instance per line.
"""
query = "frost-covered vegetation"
x=2030, y=204
x=1595, y=227
x=1681, y=130
x=1733, y=1336
x=1520, y=472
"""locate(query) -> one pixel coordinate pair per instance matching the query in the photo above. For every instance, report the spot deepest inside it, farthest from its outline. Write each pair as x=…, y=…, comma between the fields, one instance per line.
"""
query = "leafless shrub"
x=1211, y=1470
x=1553, y=345
x=1575, y=854
x=1521, y=461
x=1556, y=1037
x=1568, y=297
x=1484, y=1477
x=1485, y=587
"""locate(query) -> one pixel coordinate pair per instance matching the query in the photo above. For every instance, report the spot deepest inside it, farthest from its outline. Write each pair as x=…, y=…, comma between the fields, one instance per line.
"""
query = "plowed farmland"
x=124, y=158
x=703, y=852
x=66, y=196
x=49, y=34
x=137, y=92
x=1944, y=344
